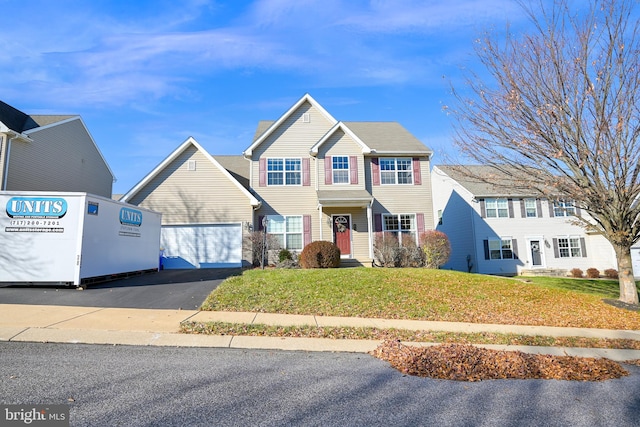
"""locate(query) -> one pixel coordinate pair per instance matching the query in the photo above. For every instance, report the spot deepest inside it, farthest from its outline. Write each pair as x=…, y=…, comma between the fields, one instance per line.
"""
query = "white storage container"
x=74, y=238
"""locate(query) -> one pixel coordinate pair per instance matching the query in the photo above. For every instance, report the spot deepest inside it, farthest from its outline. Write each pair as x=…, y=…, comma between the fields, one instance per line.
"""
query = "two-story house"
x=308, y=177
x=50, y=153
x=496, y=228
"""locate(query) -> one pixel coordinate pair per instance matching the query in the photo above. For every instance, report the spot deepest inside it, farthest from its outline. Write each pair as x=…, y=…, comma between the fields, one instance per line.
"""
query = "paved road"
x=143, y=386
x=166, y=289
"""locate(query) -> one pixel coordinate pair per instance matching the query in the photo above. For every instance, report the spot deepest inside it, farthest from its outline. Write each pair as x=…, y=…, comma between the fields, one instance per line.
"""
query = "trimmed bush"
x=576, y=272
x=593, y=273
x=284, y=255
x=611, y=273
x=320, y=254
x=436, y=248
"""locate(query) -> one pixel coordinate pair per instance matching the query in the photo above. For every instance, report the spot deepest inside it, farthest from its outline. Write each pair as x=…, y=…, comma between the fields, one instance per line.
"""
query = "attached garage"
x=201, y=246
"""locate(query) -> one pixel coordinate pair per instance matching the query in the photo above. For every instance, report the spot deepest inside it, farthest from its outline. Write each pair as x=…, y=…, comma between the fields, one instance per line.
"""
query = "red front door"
x=342, y=233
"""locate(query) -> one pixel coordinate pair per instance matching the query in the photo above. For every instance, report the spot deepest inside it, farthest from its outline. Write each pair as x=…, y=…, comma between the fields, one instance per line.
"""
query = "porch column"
x=370, y=228
x=320, y=219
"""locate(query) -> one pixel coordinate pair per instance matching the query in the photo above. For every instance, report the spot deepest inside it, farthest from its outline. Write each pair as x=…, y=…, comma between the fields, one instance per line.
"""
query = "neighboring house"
x=497, y=229
x=50, y=153
x=307, y=177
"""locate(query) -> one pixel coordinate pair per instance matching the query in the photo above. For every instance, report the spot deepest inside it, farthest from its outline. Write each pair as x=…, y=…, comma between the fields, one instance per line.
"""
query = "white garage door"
x=201, y=246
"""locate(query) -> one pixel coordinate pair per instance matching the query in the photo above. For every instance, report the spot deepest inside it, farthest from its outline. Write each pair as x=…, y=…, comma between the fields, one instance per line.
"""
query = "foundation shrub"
x=593, y=273
x=576, y=272
x=320, y=254
x=611, y=273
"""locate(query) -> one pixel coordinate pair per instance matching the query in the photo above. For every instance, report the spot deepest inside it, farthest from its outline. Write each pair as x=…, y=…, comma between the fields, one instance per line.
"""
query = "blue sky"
x=146, y=75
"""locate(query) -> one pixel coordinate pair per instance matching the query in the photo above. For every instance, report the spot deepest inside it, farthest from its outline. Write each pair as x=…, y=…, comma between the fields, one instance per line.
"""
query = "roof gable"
x=186, y=144
x=340, y=125
x=274, y=125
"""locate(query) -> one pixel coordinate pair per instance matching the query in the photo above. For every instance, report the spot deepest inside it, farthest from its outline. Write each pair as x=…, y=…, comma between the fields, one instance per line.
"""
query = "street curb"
x=86, y=336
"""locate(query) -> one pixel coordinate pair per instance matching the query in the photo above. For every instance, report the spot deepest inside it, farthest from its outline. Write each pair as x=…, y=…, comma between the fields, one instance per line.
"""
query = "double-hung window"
x=501, y=249
x=569, y=247
x=396, y=171
x=530, y=208
x=284, y=171
x=340, y=169
x=496, y=208
x=564, y=208
x=402, y=226
x=287, y=229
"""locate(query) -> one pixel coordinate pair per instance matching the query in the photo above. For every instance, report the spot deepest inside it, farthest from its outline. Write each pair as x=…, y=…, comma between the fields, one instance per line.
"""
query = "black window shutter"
x=583, y=246
x=514, y=248
x=486, y=249
x=556, y=251
x=523, y=212
x=510, y=205
x=483, y=210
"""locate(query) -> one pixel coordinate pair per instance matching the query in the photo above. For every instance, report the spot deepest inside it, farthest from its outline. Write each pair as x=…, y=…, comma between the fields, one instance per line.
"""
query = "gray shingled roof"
x=487, y=181
x=382, y=137
x=237, y=166
x=263, y=125
x=20, y=122
x=387, y=137
x=44, y=120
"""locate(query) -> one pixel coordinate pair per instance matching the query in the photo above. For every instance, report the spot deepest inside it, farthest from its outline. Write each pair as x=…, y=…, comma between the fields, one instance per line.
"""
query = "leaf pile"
x=464, y=362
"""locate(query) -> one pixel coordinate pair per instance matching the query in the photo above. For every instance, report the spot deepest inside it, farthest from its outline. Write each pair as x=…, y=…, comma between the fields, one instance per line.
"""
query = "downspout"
x=3, y=156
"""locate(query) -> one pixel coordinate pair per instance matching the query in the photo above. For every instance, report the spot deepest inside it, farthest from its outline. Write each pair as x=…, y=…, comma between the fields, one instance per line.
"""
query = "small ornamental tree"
x=436, y=247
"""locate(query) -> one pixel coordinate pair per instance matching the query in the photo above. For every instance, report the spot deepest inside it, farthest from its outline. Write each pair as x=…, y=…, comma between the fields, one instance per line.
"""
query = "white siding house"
x=495, y=229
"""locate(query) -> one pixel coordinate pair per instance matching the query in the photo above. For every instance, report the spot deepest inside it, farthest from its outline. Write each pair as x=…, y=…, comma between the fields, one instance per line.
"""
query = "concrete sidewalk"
x=95, y=325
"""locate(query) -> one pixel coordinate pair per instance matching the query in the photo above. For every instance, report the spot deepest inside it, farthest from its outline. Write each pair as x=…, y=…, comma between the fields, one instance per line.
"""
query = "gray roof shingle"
x=489, y=181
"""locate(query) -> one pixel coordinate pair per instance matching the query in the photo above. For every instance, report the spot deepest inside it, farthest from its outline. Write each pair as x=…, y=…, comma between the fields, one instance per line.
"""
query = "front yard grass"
x=423, y=294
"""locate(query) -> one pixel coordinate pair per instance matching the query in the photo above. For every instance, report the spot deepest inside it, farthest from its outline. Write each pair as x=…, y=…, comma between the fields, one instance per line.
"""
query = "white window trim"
x=283, y=172
x=400, y=232
x=569, y=247
x=535, y=208
x=348, y=170
x=396, y=171
x=561, y=208
x=497, y=209
x=500, y=240
x=285, y=233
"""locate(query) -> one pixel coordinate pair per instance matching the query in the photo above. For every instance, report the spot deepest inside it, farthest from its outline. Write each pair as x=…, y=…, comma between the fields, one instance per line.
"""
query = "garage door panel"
x=202, y=246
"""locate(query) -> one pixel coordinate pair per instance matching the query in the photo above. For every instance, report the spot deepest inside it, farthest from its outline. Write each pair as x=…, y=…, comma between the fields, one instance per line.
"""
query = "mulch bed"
x=464, y=362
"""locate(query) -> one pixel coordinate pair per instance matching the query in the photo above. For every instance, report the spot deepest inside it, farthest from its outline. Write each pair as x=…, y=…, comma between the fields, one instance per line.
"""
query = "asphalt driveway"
x=166, y=289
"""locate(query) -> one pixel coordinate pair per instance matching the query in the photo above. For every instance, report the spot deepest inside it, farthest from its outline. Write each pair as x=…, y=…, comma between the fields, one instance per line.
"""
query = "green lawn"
x=424, y=294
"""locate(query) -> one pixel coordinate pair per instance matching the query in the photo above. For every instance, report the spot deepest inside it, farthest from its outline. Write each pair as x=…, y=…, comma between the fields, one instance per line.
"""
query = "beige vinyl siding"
x=403, y=198
x=201, y=196
x=340, y=144
x=60, y=158
x=293, y=139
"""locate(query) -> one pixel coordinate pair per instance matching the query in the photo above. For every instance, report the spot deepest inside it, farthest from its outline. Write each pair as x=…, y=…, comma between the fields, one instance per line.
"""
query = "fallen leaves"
x=464, y=362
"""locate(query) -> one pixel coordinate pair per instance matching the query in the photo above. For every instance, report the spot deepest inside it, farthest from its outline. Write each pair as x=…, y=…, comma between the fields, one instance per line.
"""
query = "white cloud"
x=79, y=55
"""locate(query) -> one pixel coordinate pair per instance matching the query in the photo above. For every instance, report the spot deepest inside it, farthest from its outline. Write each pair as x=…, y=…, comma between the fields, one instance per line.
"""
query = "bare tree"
x=561, y=109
